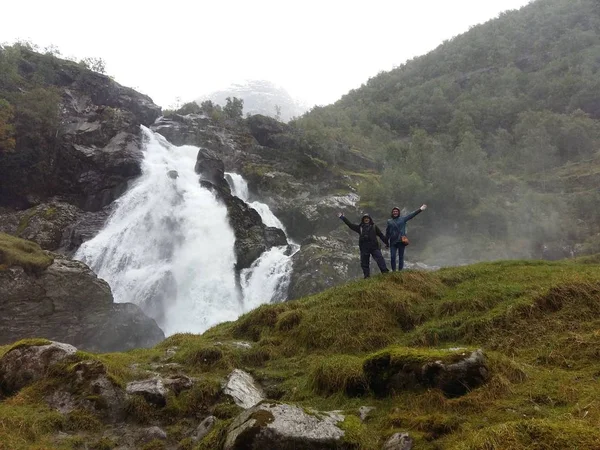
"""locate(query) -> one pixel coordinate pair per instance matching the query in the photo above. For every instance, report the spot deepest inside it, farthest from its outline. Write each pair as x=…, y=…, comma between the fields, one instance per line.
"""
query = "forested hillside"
x=497, y=129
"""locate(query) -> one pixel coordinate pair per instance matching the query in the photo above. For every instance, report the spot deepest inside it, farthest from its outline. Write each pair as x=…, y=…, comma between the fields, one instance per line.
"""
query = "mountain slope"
x=477, y=127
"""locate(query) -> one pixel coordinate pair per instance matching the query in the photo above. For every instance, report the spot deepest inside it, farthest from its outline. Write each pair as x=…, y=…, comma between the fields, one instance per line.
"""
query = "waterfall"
x=269, y=276
x=239, y=188
x=168, y=247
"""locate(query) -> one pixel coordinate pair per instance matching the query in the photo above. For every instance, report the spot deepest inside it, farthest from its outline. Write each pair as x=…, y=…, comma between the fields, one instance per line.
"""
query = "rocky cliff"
x=46, y=295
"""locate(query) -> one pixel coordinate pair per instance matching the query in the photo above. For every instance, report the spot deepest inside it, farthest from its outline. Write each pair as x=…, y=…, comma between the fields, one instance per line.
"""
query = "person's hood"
x=366, y=215
x=392, y=211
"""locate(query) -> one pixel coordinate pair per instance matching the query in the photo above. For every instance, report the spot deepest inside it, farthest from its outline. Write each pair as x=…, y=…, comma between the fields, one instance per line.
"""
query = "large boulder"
x=67, y=302
x=211, y=168
x=29, y=362
x=285, y=427
x=243, y=389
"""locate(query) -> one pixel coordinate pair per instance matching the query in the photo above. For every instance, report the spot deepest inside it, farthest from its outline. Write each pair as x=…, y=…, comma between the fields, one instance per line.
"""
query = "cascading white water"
x=239, y=188
x=269, y=276
x=169, y=247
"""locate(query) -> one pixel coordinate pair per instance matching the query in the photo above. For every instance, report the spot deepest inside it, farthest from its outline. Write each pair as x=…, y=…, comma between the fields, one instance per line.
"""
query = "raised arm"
x=414, y=213
x=350, y=224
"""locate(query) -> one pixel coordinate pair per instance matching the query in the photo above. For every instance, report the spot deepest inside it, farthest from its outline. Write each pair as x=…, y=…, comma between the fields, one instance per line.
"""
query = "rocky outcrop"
x=323, y=262
x=96, y=149
x=24, y=364
x=43, y=224
x=243, y=389
x=457, y=375
x=252, y=237
x=86, y=385
x=68, y=303
x=281, y=426
x=153, y=390
x=87, y=225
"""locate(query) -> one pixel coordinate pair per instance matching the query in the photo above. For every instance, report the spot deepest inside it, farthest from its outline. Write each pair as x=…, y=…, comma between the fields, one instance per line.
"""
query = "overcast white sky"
x=317, y=49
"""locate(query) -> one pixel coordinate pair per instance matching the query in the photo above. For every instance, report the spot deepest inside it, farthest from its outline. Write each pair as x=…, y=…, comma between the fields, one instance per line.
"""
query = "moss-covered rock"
x=22, y=253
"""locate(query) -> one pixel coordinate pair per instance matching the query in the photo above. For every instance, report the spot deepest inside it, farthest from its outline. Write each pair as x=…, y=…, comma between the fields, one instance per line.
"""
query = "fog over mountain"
x=260, y=97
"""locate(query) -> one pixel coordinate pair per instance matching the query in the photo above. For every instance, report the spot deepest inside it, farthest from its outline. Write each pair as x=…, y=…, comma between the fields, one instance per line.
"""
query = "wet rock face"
x=95, y=151
x=252, y=237
x=68, y=303
x=324, y=262
x=43, y=224
x=211, y=169
x=285, y=426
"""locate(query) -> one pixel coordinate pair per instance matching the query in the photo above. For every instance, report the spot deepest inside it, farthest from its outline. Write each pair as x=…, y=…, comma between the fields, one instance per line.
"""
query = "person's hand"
x=423, y=207
x=340, y=215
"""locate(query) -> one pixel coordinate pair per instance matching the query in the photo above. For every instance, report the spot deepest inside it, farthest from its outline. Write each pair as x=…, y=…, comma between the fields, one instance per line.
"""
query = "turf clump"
x=26, y=254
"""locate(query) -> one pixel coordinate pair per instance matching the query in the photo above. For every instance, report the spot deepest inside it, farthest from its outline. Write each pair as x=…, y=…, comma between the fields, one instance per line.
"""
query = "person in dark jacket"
x=396, y=228
x=368, y=243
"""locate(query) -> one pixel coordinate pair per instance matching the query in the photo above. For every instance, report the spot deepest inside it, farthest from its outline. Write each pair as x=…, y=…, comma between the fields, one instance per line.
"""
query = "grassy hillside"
x=477, y=127
x=536, y=322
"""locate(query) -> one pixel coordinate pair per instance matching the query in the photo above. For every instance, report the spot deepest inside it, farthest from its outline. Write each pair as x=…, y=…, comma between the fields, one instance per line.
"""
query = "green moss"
x=31, y=342
x=227, y=410
x=82, y=420
x=24, y=222
x=19, y=252
x=23, y=425
x=50, y=212
x=102, y=444
x=288, y=320
x=139, y=410
x=534, y=434
x=339, y=374
x=205, y=392
x=216, y=438
x=357, y=435
x=155, y=444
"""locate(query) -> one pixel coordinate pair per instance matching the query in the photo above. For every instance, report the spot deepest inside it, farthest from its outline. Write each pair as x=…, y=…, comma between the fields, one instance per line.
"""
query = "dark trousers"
x=397, y=247
x=365, y=257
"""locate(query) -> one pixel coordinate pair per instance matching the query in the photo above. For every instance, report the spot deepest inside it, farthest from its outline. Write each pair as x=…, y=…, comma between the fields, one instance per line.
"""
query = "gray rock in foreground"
x=285, y=427
x=27, y=364
x=243, y=389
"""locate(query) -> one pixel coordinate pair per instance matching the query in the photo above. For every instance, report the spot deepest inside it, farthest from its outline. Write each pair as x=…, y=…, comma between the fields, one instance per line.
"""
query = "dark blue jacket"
x=396, y=228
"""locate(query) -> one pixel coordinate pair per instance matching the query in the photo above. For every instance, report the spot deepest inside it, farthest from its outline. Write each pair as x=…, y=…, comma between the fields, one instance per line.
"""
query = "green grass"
x=19, y=252
x=537, y=322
